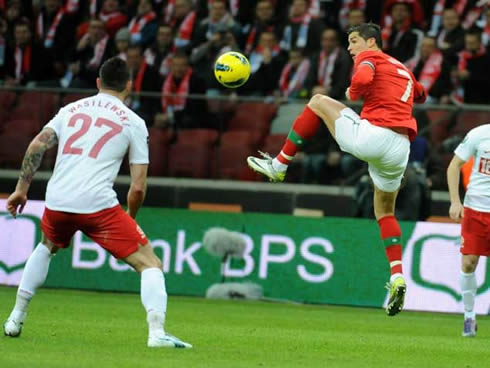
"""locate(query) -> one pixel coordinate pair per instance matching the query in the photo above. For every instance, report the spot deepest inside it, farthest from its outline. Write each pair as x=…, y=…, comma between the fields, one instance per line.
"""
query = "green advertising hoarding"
x=324, y=260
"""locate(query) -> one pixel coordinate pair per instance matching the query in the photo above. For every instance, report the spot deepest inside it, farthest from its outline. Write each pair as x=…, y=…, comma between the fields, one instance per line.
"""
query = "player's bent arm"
x=137, y=190
x=45, y=140
x=361, y=79
x=453, y=178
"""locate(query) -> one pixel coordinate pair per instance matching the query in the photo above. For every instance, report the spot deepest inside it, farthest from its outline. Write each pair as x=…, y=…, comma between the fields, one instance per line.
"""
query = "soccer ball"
x=232, y=69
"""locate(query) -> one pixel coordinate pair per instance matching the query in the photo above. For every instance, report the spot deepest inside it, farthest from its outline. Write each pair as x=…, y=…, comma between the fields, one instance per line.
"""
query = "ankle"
x=279, y=166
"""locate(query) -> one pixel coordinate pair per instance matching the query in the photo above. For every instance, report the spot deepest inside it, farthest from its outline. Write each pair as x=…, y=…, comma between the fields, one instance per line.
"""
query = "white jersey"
x=93, y=134
x=477, y=144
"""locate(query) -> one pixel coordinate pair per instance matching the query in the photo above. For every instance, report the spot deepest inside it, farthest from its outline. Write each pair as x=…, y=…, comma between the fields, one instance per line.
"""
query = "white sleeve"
x=468, y=147
x=138, y=147
x=55, y=122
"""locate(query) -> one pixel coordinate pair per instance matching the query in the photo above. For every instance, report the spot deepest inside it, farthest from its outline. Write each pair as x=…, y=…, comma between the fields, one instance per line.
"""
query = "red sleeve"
x=361, y=79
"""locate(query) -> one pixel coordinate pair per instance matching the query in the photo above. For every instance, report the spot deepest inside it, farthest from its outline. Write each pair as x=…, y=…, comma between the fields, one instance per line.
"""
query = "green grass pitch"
x=97, y=330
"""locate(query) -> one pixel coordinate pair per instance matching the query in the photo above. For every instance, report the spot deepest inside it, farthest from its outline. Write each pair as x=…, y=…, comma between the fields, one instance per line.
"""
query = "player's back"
x=389, y=99
x=93, y=136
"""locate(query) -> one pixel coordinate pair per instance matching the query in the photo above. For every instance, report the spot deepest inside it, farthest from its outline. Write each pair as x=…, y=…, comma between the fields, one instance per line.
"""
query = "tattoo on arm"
x=34, y=155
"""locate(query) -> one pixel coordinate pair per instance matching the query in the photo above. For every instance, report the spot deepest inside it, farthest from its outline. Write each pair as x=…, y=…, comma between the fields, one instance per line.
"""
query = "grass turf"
x=97, y=330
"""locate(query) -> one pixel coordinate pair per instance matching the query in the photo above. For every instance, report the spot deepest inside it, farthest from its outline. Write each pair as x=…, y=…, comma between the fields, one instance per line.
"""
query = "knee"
x=316, y=102
x=469, y=264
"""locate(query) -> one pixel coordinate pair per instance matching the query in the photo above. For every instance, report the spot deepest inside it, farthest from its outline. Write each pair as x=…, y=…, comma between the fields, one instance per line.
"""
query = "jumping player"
x=475, y=215
x=380, y=136
x=93, y=135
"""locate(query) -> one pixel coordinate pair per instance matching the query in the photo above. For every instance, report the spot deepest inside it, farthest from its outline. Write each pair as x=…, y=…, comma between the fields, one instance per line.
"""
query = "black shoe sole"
x=397, y=303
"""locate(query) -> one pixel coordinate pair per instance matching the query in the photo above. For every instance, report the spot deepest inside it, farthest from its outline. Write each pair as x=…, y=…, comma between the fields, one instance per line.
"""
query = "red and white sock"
x=391, y=235
x=304, y=127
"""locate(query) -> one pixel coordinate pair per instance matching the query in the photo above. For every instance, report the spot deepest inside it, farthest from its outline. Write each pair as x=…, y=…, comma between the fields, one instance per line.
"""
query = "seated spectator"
x=264, y=21
x=401, y=39
x=112, y=16
x=450, y=39
x=181, y=16
x=302, y=30
x=204, y=56
x=13, y=15
x=179, y=111
x=122, y=42
x=293, y=75
x=218, y=19
x=430, y=69
x=145, y=79
x=160, y=53
x=331, y=67
x=27, y=61
x=351, y=13
x=472, y=73
x=143, y=27
x=92, y=50
x=354, y=18
x=468, y=11
x=266, y=62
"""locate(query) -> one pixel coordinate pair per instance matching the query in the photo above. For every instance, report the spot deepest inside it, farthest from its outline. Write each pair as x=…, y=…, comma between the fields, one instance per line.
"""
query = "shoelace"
x=265, y=155
x=388, y=286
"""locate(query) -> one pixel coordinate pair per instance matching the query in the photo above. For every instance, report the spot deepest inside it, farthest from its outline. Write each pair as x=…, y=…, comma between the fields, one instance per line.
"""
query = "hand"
x=74, y=68
x=456, y=211
x=463, y=74
x=347, y=94
x=84, y=42
x=15, y=200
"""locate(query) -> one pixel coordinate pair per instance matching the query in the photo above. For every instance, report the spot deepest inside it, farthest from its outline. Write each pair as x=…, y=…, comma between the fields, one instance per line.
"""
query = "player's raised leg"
x=390, y=232
x=154, y=297
x=34, y=275
x=304, y=127
x=468, y=292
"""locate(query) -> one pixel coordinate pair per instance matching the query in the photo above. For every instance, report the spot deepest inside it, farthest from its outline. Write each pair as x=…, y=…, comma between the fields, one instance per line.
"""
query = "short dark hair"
x=114, y=74
x=366, y=31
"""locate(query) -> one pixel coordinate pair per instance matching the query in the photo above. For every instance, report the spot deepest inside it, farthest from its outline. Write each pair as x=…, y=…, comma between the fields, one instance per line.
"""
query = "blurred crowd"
x=296, y=47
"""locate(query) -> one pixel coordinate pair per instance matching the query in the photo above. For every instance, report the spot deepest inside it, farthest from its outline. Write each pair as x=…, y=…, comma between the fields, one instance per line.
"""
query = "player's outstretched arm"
x=32, y=159
x=361, y=80
x=453, y=176
x=137, y=190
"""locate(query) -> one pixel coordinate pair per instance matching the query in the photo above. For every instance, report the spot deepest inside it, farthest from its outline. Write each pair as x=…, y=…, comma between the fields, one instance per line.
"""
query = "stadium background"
x=49, y=54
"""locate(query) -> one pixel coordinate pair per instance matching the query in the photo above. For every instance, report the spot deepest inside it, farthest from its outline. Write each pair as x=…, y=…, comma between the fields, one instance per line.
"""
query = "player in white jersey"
x=474, y=215
x=93, y=135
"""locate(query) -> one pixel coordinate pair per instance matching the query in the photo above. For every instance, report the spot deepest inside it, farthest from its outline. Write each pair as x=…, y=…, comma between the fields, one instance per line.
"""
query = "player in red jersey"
x=380, y=136
x=93, y=135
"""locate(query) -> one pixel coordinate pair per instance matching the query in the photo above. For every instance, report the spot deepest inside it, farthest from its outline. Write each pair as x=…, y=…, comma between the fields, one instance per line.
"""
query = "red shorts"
x=475, y=233
x=112, y=228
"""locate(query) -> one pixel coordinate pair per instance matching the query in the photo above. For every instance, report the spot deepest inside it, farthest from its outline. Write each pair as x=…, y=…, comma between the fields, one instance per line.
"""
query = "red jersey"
x=388, y=89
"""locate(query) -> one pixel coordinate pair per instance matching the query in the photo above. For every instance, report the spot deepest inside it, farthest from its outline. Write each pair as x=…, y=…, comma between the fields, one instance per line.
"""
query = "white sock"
x=34, y=275
x=154, y=298
x=468, y=291
x=278, y=165
x=395, y=276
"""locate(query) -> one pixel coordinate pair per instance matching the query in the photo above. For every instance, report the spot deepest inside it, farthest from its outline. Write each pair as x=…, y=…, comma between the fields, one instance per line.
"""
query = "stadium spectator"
x=472, y=73
x=143, y=26
x=219, y=18
x=450, y=39
x=468, y=11
x=264, y=21
x=204, y=56
x=160, y=53
x=112, y=16
x=145, y=79
x=302, y=31
x=56, y=30
x=92, y=50
x=179, y=111
x=266, y=62
x=351, y=13
x=401, y=39
x=355, y=17
x=26, y=61
x=485, y=25
x=122, y=39
x=331, y=67
x=182, y=18
x=292, y=83
x=431, y=69
x=13, y=15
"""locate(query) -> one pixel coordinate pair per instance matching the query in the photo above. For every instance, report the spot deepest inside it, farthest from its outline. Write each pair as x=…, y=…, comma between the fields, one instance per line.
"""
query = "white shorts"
x=384, y=150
